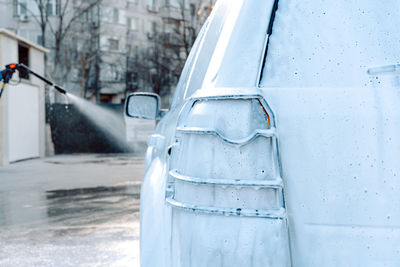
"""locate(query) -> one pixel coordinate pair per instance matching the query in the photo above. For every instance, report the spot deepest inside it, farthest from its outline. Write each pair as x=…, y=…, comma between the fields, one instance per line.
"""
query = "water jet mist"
x=108, y=121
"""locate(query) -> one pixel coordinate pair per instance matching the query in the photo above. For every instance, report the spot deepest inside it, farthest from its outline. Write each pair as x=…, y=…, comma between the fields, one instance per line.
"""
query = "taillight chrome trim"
x=273, y=183
x=243, y=141
x=268, y=214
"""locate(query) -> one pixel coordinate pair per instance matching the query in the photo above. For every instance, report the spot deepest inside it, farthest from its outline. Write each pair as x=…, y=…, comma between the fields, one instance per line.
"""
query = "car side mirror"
x=143, y=106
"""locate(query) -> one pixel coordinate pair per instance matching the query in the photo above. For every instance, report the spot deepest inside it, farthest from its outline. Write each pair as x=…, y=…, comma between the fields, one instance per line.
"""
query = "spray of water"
x=106, y=120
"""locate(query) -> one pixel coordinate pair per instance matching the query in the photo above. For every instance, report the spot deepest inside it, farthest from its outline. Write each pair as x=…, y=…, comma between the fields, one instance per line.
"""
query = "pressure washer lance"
x=8, y=72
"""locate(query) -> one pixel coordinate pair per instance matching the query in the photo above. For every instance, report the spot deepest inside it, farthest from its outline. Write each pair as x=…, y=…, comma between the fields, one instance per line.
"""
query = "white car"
x=282, y=143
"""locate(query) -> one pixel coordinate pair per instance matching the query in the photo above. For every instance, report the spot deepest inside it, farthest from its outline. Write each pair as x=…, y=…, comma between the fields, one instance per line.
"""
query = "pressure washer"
x=7, y=73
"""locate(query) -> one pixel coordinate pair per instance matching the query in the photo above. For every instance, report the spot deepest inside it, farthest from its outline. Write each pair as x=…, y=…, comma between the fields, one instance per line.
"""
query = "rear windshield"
x=330, y=43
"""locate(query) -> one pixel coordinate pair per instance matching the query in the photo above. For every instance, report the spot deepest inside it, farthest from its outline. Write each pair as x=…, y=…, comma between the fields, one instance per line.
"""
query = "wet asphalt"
x=75, y=210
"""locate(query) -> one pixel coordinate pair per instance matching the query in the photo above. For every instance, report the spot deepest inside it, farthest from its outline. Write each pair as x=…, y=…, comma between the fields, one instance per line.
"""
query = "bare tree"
x=192, y=16
x=66, y=31
x=84, y=46
x=55, y=25
x=65, y=21
x=157, y=67
x=153, y=66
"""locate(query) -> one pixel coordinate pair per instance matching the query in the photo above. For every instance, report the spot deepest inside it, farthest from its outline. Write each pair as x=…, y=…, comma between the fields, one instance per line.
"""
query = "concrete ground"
x=75, y=210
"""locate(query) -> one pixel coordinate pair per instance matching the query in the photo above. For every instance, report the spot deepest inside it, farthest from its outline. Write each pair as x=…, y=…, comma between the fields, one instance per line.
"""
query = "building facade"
x=103, y=50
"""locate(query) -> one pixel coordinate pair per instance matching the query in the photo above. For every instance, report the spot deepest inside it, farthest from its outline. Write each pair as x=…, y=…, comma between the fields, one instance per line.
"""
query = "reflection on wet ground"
x=79, y=226
x=99, y=205
x=99, y=159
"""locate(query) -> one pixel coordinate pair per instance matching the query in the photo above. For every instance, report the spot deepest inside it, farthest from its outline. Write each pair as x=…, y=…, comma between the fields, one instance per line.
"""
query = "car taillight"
x=225, y=161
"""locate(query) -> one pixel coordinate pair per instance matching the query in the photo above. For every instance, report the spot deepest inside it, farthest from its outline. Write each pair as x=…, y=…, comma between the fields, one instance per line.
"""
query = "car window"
x=330, y=43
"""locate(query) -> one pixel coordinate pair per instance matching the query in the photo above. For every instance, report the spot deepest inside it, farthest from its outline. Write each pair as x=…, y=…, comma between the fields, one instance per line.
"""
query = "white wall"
x=22, y=107
x=8, y=54
x=23, y=122
x=37, y=60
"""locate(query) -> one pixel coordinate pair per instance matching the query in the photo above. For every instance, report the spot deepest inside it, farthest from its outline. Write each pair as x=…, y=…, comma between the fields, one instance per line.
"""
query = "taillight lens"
x=226, y=159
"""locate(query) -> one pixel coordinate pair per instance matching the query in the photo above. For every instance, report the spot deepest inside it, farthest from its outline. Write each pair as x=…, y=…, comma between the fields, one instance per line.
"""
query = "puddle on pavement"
x=113, y=160
x=96, y=226
x=88, y=226
x=71, y=207
x=97, y=205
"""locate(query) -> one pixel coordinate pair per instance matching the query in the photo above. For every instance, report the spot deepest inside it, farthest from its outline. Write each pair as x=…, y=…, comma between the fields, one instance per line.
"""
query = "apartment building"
x=105, y=49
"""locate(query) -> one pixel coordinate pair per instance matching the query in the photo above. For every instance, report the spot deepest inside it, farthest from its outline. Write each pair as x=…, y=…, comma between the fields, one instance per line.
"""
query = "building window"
x=23, y=57
x=107, y=98
x=115, y=15
x=22, y=7
x=152, y=5
x=177, y=3
x=192, y=10
x=131, y=79
x=30, y=7
x=151, y=29
x=154, y=26
x=94, y=16
x=132, y=24
x=39, y=40
x=15, y=7
x=113, y=44
x=58, y=7
x=49, y=8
